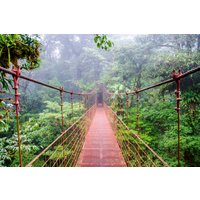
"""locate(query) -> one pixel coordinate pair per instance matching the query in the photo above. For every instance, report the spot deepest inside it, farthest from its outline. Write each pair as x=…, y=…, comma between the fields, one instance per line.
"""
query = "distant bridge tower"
x=100, y=95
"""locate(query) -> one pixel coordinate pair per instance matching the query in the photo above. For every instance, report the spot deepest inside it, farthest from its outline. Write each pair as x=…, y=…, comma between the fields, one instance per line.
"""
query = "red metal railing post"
x=61, y=107
x=72, y=107
x=128, y=145
x=137, y=125
x=62, y=121
x=17, y=72
x=176, y=76
x=127, y=102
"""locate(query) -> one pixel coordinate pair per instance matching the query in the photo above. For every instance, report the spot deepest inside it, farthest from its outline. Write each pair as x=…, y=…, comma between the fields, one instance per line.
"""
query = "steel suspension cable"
x=38, y=82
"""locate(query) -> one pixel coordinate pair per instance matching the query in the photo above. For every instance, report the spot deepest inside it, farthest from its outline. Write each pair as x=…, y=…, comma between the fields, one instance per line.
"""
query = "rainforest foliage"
x=75, y=62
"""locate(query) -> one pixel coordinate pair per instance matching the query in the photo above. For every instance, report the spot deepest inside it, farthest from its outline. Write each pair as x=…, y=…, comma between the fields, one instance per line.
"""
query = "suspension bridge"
x=99, y=137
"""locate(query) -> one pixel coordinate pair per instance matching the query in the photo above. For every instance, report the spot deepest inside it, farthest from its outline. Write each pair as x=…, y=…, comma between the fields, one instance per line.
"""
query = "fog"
x=74, y=61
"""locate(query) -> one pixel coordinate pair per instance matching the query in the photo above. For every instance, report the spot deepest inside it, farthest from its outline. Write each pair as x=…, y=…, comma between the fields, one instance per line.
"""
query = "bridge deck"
x=100, y=148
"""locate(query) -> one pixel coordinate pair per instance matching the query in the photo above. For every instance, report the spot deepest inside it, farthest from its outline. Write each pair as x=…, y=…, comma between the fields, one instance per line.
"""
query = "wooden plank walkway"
x=100, y=148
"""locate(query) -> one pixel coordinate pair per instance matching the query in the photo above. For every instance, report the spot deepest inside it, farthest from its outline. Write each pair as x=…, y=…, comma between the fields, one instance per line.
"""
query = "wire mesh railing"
x=134, y=150
x=65, y=150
